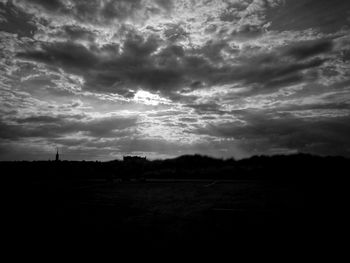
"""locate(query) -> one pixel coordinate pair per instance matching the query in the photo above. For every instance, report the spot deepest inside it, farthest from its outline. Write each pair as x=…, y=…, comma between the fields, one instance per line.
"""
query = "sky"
x=100, y=79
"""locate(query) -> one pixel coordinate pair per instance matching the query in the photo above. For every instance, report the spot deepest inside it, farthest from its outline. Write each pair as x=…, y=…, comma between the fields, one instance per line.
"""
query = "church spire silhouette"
x=57, y=156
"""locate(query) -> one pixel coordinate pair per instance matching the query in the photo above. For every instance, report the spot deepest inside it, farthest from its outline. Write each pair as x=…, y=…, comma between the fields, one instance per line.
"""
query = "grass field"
x=166, y=213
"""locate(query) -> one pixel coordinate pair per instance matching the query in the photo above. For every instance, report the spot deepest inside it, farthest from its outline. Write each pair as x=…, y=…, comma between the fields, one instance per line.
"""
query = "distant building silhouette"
x=57, y=156
x=133, y=158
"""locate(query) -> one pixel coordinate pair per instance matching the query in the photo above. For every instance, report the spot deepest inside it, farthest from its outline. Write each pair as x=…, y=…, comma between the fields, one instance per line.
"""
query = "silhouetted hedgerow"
x=278, y=167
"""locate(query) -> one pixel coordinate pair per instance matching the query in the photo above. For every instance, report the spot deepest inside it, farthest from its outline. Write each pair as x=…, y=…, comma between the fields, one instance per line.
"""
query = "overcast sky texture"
x=227, y=78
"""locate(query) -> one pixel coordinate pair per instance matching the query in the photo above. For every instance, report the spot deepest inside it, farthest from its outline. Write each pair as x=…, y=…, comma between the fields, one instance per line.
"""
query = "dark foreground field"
x=156, y=214
x=210, y=214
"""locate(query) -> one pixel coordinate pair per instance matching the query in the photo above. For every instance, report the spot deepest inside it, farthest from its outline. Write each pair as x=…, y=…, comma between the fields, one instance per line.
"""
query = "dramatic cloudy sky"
x=103, y=78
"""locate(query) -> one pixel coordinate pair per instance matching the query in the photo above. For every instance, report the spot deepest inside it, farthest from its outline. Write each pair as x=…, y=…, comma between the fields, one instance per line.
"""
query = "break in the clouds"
x=103, y=78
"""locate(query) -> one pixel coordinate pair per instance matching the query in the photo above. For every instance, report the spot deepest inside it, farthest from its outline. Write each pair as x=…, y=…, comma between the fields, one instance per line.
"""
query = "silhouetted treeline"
x=278, y=167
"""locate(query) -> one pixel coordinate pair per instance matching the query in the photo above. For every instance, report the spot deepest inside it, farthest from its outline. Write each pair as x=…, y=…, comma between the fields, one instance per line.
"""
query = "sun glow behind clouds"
x=148, y=98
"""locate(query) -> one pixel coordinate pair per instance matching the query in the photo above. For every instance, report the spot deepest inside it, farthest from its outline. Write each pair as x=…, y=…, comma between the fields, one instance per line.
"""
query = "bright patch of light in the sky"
x=148, y=98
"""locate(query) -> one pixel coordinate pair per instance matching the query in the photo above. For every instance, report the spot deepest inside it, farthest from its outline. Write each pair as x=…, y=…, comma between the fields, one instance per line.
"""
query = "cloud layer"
x=104, y=78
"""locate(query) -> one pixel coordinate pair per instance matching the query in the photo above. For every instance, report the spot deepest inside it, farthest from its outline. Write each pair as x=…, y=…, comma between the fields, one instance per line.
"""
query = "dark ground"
x=210, y=214
x=256, y=214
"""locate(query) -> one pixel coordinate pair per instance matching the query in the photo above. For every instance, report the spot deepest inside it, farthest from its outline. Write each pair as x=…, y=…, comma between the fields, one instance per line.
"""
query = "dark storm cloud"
x=16, y=21
x=173, y=68
x=52, y=5
x=121, y=10
x=166, y=4
x=274, y=75
x=316, y=136
x=102, y=12
x=324, y=15
x=204, y=108
x=57, y=126
x=277, y=68
x=74, y=32
x=39, y=119
x=136, y=46
x=134, y=66
x=169, y=54
x=212, y=50
x=246, y=32
x=175, y=32
x=191, y=120
x=303, y=50
x=68, y=55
